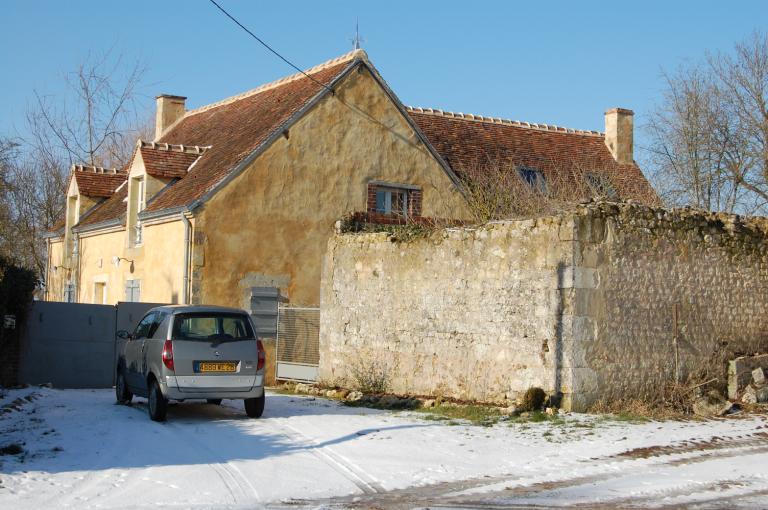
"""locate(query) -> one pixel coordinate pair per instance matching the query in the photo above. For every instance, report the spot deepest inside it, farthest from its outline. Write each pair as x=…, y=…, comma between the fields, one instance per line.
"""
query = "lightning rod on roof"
x=357, y=40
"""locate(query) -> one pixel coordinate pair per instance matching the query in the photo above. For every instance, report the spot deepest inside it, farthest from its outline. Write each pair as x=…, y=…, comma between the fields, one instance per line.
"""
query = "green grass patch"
x=624, y=417
x=475, y=414
x=537, y=417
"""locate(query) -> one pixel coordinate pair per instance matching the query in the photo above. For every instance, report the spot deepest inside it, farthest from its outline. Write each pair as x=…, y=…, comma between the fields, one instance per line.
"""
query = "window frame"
x=150, y=315
x=534, y=178
x=388, y=192
x=218, y=317
x=69, y=293
x=601, y=185
x=102, y=298
x=135, y=288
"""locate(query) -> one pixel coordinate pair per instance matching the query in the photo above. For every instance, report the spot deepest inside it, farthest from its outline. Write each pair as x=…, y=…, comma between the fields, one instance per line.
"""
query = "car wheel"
x=157, y=405
x=254, y=407
x=214, y=401
x=122, y=393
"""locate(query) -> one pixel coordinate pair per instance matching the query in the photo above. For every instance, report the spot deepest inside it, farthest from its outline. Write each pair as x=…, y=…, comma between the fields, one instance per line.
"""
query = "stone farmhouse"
x=245, y=192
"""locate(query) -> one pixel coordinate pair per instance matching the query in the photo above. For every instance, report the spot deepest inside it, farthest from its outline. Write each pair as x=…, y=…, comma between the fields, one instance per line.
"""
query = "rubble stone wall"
x=466, y=313
x=609, y=301
x=675, y=293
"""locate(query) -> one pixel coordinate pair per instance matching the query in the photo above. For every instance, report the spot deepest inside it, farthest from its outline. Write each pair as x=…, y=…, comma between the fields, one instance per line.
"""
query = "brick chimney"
x=618, y=134
x=169, y=110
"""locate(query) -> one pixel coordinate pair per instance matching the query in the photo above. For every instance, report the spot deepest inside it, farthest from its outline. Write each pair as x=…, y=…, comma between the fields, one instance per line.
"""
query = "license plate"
x=215, y=366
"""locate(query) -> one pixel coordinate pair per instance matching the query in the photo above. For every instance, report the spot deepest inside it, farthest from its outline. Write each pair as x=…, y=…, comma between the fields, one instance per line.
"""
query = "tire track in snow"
x=237, y=484
x=454, y=493
x=352, y=472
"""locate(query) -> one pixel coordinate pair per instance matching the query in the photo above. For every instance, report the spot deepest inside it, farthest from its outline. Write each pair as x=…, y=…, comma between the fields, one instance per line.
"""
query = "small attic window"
x=601, y=185
x=533, y=178
x=402, y=201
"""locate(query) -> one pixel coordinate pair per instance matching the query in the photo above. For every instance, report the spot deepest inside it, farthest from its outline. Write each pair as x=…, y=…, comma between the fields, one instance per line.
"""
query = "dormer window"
x=533, y=178
x=601, y=186
x=137, y=204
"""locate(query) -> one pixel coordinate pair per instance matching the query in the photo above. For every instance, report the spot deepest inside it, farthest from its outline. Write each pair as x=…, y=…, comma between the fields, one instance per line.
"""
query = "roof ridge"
x=352, y=55
x=504, y=122
x=99, y=170
x=170, y=147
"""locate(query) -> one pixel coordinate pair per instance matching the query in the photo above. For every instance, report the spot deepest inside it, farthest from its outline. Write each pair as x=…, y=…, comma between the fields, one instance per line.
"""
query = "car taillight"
x=262, y=355
x=168, y=354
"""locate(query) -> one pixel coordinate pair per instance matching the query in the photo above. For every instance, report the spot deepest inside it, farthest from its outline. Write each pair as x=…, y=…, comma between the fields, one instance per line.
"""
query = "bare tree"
x=742, y=84
x=708, y=134
x=500, y=188
x=96, y=123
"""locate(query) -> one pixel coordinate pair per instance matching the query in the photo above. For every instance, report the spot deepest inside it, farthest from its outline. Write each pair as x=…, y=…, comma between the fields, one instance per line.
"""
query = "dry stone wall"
x=609, y=301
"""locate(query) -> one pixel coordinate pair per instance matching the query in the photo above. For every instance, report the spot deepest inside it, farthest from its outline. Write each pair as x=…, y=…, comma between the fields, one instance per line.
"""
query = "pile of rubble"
x=756, y=392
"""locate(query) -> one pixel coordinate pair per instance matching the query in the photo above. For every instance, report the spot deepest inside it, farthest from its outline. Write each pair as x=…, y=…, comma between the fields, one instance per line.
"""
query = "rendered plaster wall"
x=672, y=293
x=270, y=225
x=54, y=281
x=466, y=313
x=158, y=264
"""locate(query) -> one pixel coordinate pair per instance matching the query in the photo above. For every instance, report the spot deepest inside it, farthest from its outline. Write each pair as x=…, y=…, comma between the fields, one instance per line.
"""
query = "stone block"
x=740, y=373
x=579, y=278
x=758, y=376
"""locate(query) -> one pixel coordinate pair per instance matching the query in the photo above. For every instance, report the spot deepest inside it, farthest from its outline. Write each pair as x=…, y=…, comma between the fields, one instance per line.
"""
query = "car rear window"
x=211, y=326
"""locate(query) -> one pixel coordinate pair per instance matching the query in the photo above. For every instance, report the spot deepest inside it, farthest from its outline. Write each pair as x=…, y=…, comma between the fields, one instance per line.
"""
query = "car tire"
x=157, y=405
x=254, y=407
x=122, y=394
x=214, y=401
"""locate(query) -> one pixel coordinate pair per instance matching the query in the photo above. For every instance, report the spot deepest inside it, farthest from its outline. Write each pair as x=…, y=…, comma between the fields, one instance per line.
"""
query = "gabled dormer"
x=154, y=167
x=88, y=186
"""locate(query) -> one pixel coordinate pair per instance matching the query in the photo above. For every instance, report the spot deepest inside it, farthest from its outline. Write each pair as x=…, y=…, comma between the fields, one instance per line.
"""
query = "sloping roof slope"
x=236, y=127
x=97, y=182
x=168, y=161
x=468, y=142
x=110, y=209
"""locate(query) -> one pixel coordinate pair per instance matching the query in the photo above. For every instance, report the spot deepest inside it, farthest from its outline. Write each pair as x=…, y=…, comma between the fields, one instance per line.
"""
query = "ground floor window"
x=69, y=292
x=100, y=293
x=133, y=290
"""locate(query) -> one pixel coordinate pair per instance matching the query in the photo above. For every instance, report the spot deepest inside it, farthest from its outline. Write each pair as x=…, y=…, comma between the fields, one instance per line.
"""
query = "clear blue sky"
x=555, y=62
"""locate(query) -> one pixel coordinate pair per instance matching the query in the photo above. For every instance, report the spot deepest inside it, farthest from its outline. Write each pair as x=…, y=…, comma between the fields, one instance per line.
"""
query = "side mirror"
x=123, y=334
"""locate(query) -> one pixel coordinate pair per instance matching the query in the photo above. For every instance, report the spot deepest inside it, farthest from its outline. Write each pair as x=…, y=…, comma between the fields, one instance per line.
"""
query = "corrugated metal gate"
x=298, y=343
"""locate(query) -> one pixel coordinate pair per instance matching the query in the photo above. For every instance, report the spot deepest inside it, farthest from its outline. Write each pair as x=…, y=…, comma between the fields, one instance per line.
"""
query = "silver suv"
x=191, y=352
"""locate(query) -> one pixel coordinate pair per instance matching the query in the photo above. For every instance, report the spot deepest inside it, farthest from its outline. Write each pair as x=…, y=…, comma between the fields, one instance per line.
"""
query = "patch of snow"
x=83, y=451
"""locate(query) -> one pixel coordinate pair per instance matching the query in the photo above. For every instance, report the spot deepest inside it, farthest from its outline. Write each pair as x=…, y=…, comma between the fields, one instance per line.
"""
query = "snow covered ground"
x=84, y=452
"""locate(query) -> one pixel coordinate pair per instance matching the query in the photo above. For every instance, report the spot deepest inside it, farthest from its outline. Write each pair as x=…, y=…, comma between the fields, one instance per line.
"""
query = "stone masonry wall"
x=610, y=301
x=674, y=293
x=466, y=313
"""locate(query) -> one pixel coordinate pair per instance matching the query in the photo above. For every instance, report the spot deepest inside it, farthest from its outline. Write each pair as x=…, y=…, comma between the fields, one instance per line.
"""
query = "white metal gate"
x=298, y=343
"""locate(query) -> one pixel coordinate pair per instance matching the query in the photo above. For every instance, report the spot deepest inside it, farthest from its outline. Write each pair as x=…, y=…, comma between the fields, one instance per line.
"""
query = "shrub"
x=533, y=399
x=369, y=374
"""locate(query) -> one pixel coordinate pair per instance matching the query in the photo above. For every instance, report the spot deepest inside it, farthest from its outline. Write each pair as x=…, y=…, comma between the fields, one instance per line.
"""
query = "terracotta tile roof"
x=468, y=142
x=97, y=182
x=235, y=127
x=113, y=208
x=169, y=161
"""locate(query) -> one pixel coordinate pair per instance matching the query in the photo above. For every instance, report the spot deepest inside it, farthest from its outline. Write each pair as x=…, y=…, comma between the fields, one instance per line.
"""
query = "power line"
x=267, y=46
x=353, y=108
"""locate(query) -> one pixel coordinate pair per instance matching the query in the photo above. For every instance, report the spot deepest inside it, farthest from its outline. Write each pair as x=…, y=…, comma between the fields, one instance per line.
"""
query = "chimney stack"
x=618, y=134
x=169, y=110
